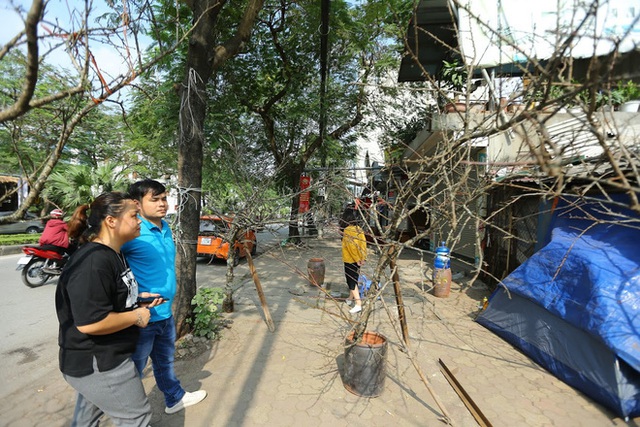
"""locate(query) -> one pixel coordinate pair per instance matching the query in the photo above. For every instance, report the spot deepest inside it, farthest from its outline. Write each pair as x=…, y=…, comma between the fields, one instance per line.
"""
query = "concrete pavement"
x=292, y=376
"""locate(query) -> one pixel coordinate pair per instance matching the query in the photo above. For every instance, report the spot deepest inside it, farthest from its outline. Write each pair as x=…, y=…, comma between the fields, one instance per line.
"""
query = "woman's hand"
x=361, y=263
x=115, y=322
x=142, y=316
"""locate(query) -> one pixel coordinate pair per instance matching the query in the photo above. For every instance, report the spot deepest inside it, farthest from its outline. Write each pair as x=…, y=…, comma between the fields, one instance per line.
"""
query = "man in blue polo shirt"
x=151, y=257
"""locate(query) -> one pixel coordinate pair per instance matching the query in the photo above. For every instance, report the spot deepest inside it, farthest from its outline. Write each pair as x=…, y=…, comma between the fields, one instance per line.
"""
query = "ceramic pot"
x=316, y=270
x=441, y=282
x=453, y=107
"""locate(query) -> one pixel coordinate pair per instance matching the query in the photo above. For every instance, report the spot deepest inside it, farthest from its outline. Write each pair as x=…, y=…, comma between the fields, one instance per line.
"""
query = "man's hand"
x=150, y=300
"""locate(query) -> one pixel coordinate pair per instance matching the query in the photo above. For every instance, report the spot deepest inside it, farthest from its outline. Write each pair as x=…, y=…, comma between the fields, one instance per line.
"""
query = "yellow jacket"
x=354, y=245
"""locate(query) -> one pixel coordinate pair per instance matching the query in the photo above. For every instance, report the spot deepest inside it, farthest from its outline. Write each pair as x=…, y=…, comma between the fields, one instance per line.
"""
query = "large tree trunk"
x=203, y=57
x=193, y=110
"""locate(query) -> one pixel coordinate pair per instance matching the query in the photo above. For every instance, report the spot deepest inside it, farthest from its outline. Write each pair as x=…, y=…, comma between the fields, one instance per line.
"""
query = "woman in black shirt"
x=96, y=303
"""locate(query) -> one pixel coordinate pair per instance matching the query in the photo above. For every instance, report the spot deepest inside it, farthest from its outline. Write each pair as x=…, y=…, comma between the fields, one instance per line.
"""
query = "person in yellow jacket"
x=354, y=255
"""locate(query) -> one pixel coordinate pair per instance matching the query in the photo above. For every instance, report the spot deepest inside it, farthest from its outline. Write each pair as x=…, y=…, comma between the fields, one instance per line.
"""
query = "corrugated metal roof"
x=431, y=37
x=574, y=139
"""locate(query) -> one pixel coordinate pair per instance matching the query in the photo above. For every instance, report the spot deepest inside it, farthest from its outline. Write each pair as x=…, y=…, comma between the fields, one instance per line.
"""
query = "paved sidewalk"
x=291, y=377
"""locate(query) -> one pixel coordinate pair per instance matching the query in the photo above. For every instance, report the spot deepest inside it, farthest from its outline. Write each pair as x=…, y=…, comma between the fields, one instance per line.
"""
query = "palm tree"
x=79, y=184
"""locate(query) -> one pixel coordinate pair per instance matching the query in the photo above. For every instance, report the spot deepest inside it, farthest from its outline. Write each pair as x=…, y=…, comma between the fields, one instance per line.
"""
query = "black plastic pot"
x=365, y=364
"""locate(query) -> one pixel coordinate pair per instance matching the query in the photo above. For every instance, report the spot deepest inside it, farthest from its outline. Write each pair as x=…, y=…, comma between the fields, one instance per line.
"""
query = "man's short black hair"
x=139, y=189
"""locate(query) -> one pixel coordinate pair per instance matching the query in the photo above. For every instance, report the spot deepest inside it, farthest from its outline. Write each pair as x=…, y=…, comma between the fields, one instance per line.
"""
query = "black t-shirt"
x=95, y=282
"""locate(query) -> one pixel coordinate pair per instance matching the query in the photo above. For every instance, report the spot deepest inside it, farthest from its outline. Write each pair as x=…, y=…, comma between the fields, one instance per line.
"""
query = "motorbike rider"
x=55, y=237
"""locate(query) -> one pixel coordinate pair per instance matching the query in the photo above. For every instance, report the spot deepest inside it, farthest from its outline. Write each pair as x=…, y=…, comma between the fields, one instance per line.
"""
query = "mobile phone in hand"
x=150, y=299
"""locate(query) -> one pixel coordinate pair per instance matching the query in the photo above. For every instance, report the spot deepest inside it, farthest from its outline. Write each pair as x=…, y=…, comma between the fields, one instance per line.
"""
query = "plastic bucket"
x=365, y=364
x=316, y=270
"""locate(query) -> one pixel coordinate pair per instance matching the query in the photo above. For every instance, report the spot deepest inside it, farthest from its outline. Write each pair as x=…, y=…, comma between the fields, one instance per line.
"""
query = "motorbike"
x=40, y=264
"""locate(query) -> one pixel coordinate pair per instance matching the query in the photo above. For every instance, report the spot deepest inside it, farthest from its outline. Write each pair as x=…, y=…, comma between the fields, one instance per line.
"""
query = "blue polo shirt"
x=152, y=258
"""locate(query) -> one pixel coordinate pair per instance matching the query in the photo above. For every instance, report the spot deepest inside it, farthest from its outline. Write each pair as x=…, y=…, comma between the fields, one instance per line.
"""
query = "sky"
x=532, y=27
x=109, y=61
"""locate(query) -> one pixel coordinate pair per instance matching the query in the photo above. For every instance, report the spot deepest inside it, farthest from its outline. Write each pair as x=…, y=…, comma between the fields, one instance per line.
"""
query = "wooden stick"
x=480, y=418
x=401, y=314
x=263, y=300
x=446, y=418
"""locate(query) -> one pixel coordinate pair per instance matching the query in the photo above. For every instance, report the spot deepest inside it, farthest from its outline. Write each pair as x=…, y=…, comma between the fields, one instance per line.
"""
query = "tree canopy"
x=217, y=92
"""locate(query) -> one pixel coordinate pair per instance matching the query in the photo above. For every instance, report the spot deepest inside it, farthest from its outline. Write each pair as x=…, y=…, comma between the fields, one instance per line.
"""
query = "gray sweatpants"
x=118, y=393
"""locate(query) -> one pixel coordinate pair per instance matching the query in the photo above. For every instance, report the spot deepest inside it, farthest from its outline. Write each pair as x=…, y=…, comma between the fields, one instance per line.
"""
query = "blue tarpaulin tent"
x=574, y=306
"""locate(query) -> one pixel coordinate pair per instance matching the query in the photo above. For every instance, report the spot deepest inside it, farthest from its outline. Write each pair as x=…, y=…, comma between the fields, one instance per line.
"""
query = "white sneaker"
x=356, y=309
x=349, y=302
x=188, y=399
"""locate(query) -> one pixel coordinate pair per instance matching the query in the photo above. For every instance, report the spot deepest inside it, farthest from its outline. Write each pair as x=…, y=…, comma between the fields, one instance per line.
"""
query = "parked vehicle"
x=29, y=224
x=211, y=239
x=40, y=264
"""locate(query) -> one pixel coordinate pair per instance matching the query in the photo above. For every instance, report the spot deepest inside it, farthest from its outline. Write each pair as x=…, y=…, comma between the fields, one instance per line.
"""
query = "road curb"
x=10, y=249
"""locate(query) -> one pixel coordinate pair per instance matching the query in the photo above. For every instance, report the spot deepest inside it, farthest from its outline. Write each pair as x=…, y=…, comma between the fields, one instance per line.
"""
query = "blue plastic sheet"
x=574, y=305
x=589, y=275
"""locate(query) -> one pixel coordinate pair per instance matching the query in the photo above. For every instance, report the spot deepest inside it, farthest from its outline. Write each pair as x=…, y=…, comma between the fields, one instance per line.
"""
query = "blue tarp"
x=591, y=283
x=587, y=275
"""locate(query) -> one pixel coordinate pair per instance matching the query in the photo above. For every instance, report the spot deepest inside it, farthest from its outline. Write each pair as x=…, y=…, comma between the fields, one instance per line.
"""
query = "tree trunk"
x=189, y=182
x=203, y=57
x=228, y=303
x=192, y=114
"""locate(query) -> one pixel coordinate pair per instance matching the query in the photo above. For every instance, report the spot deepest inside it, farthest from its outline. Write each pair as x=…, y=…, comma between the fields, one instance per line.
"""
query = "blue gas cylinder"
x=442, y=259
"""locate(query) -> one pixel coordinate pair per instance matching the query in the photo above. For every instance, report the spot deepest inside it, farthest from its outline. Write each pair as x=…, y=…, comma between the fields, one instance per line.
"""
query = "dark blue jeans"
x=158, y=341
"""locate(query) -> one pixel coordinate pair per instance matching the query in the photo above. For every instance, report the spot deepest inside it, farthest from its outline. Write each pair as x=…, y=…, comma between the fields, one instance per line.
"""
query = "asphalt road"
x=28, y=330
x=29, y=327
